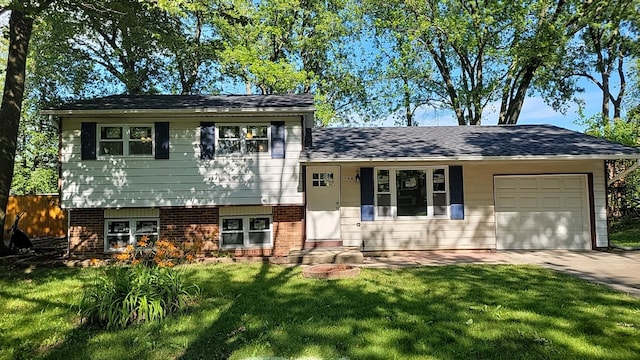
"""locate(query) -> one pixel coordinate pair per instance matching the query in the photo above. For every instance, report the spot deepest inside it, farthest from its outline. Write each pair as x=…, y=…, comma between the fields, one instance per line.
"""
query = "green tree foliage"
x=605, y=46
x=484, y=51
x=623, y=196
x=286, y=46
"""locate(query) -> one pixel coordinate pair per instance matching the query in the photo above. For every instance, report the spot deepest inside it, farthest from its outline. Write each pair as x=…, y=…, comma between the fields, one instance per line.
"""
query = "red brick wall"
x=190, y=224
x=86, y=231
x=288, y=229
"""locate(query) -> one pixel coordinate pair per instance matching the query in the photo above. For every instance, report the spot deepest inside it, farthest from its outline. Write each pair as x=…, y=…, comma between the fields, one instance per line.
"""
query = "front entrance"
x=323, y=205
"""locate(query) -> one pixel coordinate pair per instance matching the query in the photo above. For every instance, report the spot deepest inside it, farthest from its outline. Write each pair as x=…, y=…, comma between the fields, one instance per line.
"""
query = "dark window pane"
x=111, y=148
x=140, y=148
x=118, y=227
x=229, y=132
x=384, y=204
x=383, y=181
x=256, y=146
x=259, y=238
x=411, y=191
x=140, y=133
x=229, y=146
x=256, y=132
x=258, y=223
x=111, y=133
x=146, y=226
x=231, y=224
x=439, y=180
x=439, y=204
x=232, y=239
x=117, y=241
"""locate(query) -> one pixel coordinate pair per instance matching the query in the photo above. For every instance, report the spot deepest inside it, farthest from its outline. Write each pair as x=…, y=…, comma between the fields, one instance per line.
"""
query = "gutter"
x=186, y=111
x=624, y=173
x=306, y=160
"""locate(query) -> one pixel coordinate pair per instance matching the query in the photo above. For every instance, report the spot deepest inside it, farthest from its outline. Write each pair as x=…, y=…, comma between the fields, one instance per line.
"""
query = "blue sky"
x=534, y=111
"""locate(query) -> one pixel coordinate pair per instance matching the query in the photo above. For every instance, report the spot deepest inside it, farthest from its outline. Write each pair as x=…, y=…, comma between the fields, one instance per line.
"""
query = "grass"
x=259, y=311
x=625, y=232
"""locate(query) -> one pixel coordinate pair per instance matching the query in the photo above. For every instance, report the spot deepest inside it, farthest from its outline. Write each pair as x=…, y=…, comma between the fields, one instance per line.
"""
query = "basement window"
x=246, y=232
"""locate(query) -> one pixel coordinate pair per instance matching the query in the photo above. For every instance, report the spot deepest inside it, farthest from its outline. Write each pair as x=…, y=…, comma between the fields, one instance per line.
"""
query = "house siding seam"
x=86, y=231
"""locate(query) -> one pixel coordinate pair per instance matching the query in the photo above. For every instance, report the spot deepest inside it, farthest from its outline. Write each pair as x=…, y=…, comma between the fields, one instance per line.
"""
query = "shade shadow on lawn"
x=445, y=313
x=449, y=312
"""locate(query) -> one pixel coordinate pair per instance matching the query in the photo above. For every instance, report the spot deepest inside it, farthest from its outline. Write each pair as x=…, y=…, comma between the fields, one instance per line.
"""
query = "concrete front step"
x=326, y=256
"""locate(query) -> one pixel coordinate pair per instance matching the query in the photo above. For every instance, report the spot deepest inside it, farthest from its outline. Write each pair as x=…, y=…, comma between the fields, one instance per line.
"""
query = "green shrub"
x=125, y=295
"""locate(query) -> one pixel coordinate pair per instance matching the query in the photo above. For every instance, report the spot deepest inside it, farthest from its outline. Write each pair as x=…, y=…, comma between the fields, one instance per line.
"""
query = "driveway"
x=618, y=270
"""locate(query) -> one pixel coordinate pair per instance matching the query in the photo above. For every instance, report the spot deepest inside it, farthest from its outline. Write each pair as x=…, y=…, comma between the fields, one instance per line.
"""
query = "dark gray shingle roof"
x=460, y=142
x=186, y=102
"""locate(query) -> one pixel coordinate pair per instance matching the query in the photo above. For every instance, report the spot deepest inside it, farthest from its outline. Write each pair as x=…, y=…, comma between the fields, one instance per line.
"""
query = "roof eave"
x=186, y=111
x=476, y=158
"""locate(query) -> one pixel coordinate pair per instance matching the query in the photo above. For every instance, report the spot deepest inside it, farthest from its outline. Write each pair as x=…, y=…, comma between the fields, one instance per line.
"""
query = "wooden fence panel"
x=43, y=216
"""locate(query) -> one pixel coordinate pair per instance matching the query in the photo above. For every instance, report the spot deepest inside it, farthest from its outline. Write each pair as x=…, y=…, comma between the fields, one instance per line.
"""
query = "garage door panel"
x=574, y=183
x=551, y=202
x=507, y=202
x=527, y=184
x=528, y=202
x=551, y=184
x=547, y=218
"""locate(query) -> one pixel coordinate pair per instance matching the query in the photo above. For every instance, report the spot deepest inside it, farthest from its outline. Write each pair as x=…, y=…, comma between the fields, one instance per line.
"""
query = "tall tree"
x=482, y=51
x=21, y=21
x=284, y=46
x=121, y=36
x=607, y=43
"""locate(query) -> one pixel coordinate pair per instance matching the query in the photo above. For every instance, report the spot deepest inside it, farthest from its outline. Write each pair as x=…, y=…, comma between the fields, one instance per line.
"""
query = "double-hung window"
x=125, y=140
x=411, y=192
x=122, y=232
x=246, y=231
x=235, y=139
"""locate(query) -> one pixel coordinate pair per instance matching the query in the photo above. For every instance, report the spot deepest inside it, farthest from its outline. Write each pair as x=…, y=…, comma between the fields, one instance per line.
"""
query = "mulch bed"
x=45, y=252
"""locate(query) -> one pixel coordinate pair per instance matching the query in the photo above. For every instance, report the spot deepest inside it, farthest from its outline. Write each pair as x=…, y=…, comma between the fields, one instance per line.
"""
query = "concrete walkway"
x=618, y=270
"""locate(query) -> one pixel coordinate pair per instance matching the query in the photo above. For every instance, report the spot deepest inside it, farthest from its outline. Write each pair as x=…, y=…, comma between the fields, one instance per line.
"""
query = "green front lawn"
x=625, y=232
x=259, y=311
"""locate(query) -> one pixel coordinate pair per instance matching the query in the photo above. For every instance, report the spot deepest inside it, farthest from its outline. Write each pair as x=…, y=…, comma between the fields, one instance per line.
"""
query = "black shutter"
x=366, y=194
x=162, y=140
x=88, y=140
x=207, y=140
x=456, y=193
x=278, y=132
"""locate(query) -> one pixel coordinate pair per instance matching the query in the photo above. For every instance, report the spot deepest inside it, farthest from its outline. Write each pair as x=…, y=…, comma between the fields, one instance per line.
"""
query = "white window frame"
x=246, y=221
x=394, y=198
x=126, y=138
x=243, y=139
x=132, y=232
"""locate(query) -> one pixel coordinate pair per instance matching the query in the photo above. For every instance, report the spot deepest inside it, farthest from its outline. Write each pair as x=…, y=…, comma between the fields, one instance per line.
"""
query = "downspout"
x=624, y=173
x=68, y=256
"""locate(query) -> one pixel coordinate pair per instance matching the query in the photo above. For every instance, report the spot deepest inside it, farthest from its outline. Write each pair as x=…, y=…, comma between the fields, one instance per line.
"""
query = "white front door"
x=323, y=203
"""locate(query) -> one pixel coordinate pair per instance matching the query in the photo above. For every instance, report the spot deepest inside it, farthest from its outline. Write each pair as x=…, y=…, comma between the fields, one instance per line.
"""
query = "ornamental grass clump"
x=142, y=286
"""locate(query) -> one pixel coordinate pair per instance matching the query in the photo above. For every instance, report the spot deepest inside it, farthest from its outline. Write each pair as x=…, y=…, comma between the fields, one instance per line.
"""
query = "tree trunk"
x=20, y=26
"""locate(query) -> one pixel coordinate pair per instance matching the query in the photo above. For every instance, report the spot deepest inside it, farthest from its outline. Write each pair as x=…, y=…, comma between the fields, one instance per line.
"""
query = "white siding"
x=184, y=179
x=477, y=230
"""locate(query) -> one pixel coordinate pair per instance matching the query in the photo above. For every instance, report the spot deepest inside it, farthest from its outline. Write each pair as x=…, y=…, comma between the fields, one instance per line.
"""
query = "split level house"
x=252, y=175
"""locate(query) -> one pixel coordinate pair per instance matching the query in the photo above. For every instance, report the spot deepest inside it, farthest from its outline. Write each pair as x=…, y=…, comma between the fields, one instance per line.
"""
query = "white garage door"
x=542, y=212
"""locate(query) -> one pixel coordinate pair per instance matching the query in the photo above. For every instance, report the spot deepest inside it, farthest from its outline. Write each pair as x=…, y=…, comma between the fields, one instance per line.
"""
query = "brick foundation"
x=86, y=233
x=86, y=230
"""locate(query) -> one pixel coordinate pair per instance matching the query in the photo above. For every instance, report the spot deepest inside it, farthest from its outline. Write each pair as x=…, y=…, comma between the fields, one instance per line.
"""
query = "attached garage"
x=542, y=212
